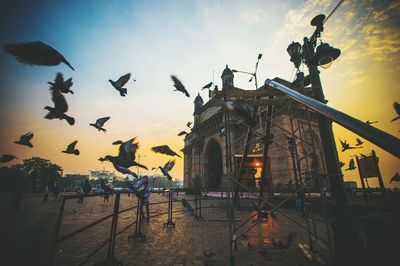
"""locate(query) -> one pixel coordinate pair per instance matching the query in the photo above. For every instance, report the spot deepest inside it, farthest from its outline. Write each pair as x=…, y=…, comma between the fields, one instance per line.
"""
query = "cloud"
x=252, y=17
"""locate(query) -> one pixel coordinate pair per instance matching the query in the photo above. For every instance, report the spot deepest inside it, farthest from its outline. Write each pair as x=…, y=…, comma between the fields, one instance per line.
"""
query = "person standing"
x=145, y=200
x=46, y=192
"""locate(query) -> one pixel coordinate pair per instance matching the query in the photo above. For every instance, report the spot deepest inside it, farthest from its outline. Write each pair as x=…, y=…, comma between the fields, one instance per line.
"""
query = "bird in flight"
x=119, y=84
x=60, y=107
x=182, y=133
x=167, y=167
x=164, y=149
x=371, y=122
x=25, y=139
x=189, y=124
x=396, y=177
x=61, y=85
x=179, y=86
x=71, y=148
x=351, y=166
x=341, y=164
x=242, y=112
x=6, y=158
x=359, y=142
x=126, y=157
x=346, y=146
x=100, y=123
x=208, y=86
x=396, y=107
x=36, y=53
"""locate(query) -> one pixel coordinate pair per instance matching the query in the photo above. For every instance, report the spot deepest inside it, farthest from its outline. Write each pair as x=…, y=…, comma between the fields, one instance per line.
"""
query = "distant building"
x=205, y=149
x=102, y=174
x=72, y=180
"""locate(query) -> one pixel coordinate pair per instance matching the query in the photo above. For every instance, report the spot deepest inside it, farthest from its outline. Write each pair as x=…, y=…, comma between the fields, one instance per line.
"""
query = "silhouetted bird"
x=100, y=123
x=188, y=207
x=118, y=85
x=396, y=177
x=36, y=53
x=60, y=107
x=6, y=158
x=371, y=122
x=244, y=113
x=61, y=85
x=351, y=166
x=189, y=124
x=346, y=146
x=341, y=164
x=208, y=86
x=153, y=168
x=71, y=148
x=182, y=133
x=164, y=149
x=359, y=142
x=167, y=167
x=126, y=157
x=363, y=155
x=291, y=237
x=25, y=139
x=179, y=86
x=222, y=131
x=396, y=107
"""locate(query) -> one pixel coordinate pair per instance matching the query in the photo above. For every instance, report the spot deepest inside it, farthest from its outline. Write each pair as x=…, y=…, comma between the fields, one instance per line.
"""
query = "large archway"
x=213, y=156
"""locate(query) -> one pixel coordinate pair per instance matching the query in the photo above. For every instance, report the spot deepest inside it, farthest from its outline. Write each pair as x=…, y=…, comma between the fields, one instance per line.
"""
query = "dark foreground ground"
x=26, y=234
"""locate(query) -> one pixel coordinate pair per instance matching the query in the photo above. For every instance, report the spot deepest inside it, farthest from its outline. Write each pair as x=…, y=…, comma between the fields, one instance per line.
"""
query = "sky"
x=193, y=40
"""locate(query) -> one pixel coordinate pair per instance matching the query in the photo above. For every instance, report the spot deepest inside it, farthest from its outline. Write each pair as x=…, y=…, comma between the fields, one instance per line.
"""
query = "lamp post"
x=139, y=156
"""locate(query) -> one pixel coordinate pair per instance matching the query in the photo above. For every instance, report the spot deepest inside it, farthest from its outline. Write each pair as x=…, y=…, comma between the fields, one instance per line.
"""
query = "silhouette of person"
x=145, y=199
x=46, y=192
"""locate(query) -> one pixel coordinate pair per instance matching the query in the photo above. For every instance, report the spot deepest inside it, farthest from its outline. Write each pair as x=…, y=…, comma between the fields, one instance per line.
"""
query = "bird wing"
x=182, y=133
x=68, y=83
x=127, y=150
x=169, y=165
x=351, y=164
x=28, y=136
x=123, y=80
x=100, y=122
x=72, y=145
x=159, y=149
x=59, y=100
x=342, y=143
x=177, y=82
x=396, y=106
x=207, y=86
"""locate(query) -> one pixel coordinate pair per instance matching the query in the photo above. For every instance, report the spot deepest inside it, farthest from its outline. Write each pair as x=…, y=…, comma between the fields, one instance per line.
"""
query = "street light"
x=139, y=156
x=254, y=75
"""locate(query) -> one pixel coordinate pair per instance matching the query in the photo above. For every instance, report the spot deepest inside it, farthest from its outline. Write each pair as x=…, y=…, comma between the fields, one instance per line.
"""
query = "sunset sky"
x=192, y=39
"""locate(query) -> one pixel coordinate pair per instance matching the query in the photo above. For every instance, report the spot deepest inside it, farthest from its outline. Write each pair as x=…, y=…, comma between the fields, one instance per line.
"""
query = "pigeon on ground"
x=71, y=148
x=242, y=112
x=188, y=207
x=164, y=149
x=60, y=107
x=100, y=123
x=6, y=158
x=189, y=124
x=396, y=177
x=36, y=53
x=396, y=107
x=60, y=84
x=25, y=139
x=208, y=86
x=182, y=133
x=359, y=142
x=179, y=86
x=371, y=122
x=118, y=85
x=126, y=157
x=351, y=165
x=346, y=146
x=167, y=167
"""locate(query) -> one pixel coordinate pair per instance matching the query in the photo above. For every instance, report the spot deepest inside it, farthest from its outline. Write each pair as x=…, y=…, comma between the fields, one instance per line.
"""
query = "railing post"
x=169, y=222
x=138, y=234
x=198, y=214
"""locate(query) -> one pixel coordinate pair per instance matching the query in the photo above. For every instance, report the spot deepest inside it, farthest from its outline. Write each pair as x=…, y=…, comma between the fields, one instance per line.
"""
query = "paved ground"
x=182, y=245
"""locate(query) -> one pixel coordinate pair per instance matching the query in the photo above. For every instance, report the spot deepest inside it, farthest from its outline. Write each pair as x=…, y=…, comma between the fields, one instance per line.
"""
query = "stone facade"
x=205, y=146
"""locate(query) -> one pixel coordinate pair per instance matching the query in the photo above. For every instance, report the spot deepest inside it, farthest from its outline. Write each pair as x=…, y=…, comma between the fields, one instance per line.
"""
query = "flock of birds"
x=41, y=54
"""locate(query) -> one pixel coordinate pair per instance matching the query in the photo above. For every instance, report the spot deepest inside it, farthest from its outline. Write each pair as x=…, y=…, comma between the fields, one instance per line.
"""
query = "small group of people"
x=84, y=190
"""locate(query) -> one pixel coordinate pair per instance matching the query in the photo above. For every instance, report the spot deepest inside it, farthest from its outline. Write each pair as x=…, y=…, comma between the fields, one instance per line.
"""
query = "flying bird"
x=118, y=85
x=341, y=164
x=100, y=123
x=25, y=139
x=182, y=133
x=371, y=122
x=60, y=84
x=346, y=146
x=126, y=157
x=208, y=86
x=71, y=148
x=36, y=53
x=396, y=177
x=164, y=149
x=351, y=165
x=239, y=110
x=179, y=86
x=396, y=107
x=153, y=168
x=6, y=158
x=189, y=124
x=359, y=142
x=222, y=131
x=167, y=167
x=60, y=107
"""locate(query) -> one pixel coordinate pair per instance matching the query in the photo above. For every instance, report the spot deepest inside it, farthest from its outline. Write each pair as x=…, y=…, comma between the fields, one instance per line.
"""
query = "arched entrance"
x=214, y=164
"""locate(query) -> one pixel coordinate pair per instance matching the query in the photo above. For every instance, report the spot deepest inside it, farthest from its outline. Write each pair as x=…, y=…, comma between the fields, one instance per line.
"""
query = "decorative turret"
x=227, y=78
x=198, y=103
